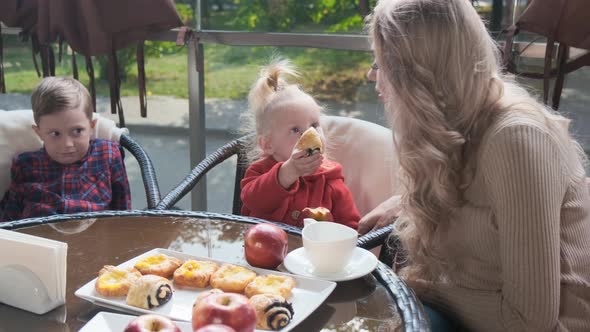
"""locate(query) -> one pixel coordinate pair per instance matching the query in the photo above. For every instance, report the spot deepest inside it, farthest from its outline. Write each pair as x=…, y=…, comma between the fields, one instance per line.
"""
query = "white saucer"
x=361, y=263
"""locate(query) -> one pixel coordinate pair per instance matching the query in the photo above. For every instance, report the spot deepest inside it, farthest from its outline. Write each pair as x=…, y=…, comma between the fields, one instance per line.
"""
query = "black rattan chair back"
x=148, y=173
x=236, y=147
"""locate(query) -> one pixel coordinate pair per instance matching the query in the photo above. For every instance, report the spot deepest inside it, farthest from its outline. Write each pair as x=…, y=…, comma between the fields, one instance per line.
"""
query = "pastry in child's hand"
x=273, y=312
x=195, y=273
x=115, y=281
x=232, y=278
x=310, y=141
x=271, y=284
x=319, y=214
x=150, y=291
x=160, y=265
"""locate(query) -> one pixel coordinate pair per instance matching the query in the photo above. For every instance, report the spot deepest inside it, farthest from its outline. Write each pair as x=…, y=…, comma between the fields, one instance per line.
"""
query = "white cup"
x=328, y=246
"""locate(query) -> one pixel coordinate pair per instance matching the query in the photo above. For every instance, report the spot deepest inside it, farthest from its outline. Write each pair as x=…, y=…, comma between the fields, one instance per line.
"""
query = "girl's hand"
x=299, y=165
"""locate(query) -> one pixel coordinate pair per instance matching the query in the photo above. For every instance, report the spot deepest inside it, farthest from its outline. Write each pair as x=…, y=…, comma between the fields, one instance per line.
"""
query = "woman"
x=494, y=216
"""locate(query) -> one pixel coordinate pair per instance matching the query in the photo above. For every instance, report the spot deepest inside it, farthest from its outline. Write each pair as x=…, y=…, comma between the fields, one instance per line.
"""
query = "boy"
x=72, y=172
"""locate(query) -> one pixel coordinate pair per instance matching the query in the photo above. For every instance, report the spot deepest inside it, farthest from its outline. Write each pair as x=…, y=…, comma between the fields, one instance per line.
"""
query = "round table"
x=370, y=303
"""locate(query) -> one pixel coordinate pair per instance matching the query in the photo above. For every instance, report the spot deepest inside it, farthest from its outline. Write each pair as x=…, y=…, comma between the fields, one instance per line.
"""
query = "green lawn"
x=229, y=71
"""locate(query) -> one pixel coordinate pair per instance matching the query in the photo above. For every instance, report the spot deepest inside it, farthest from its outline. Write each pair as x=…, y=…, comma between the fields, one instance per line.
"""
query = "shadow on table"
x=13, y=319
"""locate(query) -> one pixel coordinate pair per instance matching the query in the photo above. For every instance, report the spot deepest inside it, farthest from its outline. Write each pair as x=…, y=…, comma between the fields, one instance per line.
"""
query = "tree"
x=284, y=15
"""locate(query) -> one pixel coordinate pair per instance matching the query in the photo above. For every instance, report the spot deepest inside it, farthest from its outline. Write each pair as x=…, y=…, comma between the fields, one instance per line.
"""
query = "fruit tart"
x=232, y=278
x=160, y=265
x=114, y=281
x=194, y=273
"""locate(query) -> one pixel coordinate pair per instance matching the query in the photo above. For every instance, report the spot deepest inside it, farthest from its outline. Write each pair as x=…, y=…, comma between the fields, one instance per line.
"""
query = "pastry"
x=232, y=278
x=160, y=265
x=115, y=281
x=319, y=214
x=194, y=273
x=273, y=312
x=150, y=291
x=271, y=284
x=310, y=141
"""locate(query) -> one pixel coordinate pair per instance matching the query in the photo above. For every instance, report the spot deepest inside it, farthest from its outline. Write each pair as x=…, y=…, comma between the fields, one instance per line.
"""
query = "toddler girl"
x=281, y=182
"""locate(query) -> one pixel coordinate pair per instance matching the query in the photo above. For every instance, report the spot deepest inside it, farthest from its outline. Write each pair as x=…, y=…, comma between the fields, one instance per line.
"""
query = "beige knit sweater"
x=522, y=241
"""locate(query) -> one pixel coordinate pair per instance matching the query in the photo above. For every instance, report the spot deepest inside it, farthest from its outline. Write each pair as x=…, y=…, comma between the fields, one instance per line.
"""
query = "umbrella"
x=90, y=27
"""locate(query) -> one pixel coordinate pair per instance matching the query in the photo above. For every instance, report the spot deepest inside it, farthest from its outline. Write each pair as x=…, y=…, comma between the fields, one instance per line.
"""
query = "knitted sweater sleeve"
x=526, y=182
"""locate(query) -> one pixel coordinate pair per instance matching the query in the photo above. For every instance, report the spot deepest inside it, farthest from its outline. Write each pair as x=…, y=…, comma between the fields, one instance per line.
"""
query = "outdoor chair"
x=364, y=149
x=16, y=136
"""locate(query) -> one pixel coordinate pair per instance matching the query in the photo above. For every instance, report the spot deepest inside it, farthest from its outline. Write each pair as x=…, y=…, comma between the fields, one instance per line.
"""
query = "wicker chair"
x=235, y=147
x=335, y=126
x=148, y=173
x=16, y=136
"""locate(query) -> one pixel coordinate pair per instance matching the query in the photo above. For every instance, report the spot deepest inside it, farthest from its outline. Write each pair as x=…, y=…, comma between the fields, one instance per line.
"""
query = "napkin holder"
x=21, y=288
x=32, y=272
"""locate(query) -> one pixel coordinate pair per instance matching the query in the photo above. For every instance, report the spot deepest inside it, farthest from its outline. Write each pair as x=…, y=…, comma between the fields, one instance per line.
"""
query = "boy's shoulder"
x=25, y=157
x=102, y=150
x=104, y=146
x=101, y=142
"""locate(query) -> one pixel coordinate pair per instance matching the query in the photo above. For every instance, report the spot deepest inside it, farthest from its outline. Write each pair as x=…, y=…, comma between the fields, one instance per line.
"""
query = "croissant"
x=273, y=312
x=150, y=291
x=310, y=141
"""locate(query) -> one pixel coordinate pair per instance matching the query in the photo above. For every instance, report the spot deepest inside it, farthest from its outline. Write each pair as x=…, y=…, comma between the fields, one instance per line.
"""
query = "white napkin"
x=32, y=272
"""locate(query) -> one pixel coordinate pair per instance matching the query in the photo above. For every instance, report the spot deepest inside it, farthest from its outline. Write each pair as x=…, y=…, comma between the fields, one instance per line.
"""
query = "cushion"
x=17, y=136
x=366, y=152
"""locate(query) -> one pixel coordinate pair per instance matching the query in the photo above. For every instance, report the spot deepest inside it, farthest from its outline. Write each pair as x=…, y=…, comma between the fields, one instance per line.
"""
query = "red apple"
x=231, y=309
x=215, y=328
x=204, y=294
x=319, y=214
x=265, y=245
x=150, y=323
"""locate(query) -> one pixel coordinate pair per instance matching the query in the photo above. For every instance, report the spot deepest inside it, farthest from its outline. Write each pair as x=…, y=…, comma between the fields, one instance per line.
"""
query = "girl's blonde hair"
x=444, y=90
x=269, y=93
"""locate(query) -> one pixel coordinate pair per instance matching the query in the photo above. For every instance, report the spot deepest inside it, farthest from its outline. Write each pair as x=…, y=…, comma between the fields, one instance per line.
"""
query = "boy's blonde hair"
x=56, y=94
x=269, y=93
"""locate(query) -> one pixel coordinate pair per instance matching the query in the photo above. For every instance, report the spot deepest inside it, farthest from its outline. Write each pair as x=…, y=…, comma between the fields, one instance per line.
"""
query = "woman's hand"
x=299, y=165
x=380, y=216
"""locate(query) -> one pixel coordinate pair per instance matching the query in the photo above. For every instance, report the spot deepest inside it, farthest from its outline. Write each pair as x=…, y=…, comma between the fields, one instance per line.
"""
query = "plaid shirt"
x=41, y=187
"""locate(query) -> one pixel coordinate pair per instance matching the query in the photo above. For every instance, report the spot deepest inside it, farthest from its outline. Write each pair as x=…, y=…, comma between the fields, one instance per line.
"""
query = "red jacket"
x=264, y=197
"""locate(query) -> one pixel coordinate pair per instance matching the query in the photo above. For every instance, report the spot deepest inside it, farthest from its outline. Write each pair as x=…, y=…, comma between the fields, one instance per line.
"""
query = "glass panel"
x=20, y=73
x=318, y=16
x=337, y=79
x=163, y=134
x=315, y=16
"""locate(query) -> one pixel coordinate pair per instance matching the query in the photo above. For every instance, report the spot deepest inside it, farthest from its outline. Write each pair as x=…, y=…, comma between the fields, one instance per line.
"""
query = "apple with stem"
x=152, y=323
x=231, y=309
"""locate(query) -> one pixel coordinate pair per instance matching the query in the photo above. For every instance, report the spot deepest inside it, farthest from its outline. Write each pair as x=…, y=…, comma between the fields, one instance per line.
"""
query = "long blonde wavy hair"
x=444, y=90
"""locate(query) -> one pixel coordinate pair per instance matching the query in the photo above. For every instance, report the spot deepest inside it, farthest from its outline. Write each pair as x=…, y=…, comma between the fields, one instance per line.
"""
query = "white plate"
x=361, y=263
x=110, y=322
x=308, y=294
